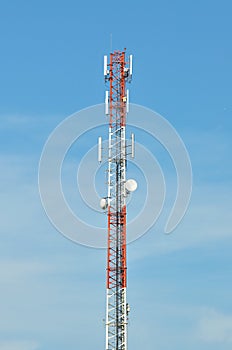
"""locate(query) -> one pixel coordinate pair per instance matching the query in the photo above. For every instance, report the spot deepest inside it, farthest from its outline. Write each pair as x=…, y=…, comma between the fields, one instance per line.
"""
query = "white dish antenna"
x=103, y=203
x=131, y=185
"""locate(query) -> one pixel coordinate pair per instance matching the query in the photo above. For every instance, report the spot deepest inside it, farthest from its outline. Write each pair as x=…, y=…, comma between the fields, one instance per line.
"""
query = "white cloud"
x=16, y=269
x=19, y=345
x=21, y=121
x=215, y=327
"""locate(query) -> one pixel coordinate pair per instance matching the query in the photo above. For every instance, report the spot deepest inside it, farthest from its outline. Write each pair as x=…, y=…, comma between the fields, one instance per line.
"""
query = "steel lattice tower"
x=117, y=74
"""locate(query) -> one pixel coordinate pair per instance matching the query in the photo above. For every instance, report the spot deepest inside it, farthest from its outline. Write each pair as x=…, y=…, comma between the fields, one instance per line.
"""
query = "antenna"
x=105, y=66
x=132, y=145
x=130, y=66
x=107, y=103
x=131, y=185
x=114, y=204
x=127, y=101
x=111, y=42
x=99, y=149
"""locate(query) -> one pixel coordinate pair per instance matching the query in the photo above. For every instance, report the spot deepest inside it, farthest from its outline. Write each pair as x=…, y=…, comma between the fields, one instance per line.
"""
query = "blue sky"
x=179, y=286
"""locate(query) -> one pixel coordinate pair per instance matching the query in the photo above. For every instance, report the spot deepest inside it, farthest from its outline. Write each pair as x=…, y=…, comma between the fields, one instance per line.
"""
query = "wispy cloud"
x=18, y=121
x=19, y=345
x=215, y=327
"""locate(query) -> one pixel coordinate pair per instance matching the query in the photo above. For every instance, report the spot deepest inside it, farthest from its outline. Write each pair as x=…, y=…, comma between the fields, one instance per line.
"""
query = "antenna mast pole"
x=117, y=73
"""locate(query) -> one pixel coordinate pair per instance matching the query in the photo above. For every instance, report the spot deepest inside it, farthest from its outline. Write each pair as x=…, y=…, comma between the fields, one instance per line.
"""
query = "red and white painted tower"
x=118, y=72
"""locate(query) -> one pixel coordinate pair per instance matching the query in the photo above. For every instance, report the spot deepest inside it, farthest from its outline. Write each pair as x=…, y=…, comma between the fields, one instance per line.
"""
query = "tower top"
x=117, y=57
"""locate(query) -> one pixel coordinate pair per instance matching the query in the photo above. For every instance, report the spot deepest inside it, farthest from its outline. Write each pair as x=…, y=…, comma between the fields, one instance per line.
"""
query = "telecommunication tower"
x=117, y=73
